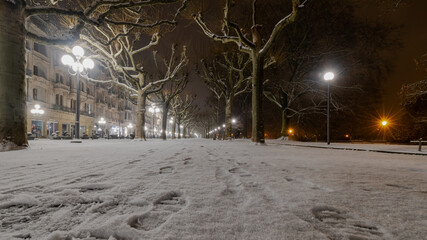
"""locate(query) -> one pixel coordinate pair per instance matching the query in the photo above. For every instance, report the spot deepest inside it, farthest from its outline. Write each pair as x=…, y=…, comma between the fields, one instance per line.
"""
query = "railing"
x=72, y=110
x=87, y=114
x=61, y=85
x=62, y=108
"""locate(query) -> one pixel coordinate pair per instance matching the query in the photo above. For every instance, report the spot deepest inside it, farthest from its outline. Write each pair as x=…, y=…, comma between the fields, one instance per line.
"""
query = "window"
x=35, y=93
x=60, y=100
x=83, y=87
x=27, y=45
x=57, y=99
x=35, y=70
x=89, y=108
x=61, y=79
x=40, y=48
x=57, y=78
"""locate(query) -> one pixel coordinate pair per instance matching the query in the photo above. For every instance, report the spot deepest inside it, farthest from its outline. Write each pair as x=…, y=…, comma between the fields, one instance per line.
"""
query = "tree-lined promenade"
x=275, y=56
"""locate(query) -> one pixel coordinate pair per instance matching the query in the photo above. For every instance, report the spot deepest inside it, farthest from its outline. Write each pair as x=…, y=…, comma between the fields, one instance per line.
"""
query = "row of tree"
x=267, y=54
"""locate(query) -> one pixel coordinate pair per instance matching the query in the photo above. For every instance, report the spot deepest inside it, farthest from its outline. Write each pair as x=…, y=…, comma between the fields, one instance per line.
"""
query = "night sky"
x=412, y=17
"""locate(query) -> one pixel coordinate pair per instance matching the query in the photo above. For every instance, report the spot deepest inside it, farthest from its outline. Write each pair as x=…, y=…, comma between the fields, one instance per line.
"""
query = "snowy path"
x=204, y=189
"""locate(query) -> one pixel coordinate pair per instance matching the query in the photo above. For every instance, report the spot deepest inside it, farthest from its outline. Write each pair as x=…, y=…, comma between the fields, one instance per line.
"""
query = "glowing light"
x=102, y=121
x=384, y=123
x=78, y=51
x=77, y=67
x=37, y=110
x=233, y=120
x=328, y=76
x=223, y=125
x=88, y=63
x=291, y=131
x=67, y=60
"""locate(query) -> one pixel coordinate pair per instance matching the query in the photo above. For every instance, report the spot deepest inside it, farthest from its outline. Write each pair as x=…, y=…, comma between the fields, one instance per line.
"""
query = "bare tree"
x=169, y=91
x=227, y=77
x=180, y=107
x=126, y=70
x=414, y=95
x=14, y=16
x=232, y=33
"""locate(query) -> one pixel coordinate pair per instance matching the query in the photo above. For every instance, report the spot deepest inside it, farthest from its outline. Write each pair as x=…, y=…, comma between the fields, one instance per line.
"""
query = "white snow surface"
x=205, y=189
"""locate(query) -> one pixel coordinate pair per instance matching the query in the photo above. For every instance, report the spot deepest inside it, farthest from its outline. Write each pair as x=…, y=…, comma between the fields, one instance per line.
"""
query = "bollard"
x=420, y=143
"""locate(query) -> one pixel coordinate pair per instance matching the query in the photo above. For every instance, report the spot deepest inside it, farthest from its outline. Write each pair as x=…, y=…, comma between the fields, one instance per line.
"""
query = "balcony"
x=87, y=114
x=61, y=86
x=71, y=110
x=62, y=108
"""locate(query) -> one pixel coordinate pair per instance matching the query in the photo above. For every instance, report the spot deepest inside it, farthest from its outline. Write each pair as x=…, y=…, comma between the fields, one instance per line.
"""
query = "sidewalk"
x=369, y=147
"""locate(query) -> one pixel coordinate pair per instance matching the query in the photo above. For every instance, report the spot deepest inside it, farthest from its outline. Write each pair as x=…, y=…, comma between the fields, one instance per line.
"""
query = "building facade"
x=53, y=88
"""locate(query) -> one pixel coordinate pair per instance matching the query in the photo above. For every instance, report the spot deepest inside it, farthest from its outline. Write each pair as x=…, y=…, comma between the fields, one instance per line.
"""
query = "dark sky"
x=413, y=35
x=412, y=17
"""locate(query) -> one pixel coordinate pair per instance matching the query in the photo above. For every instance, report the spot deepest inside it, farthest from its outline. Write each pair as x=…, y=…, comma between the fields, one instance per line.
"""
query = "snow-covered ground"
x=371, y=147
x=205, y=189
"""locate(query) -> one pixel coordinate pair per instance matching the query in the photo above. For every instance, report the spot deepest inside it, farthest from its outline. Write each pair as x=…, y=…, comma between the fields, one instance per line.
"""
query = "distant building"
x=51, y=86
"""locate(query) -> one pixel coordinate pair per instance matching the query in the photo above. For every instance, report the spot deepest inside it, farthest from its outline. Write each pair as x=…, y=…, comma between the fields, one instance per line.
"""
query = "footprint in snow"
x=167, y=169
x=239, y=171
x=164, y=207
x=186, y=160
x=339, y=224
x=134, y=161
x=95, y=187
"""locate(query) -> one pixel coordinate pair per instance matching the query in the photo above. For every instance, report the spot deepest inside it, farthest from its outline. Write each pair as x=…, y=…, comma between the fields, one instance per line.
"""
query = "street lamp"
x=77, y=66
x=37, y=111
x=328, y=77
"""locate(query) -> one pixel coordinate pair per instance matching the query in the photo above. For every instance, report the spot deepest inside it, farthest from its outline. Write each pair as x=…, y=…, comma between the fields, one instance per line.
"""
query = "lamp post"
x=102, y=121
x=77, y=66
x=37, y=111
x=328, y=77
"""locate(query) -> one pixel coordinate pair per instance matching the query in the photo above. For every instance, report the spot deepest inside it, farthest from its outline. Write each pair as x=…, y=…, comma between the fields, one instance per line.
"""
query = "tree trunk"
x=228, y=109
x=174, y=128
x=13, y=110
x=179, y=129
x=285, y=123
x=164, y=120
x=257, y=79
x=140, y=115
